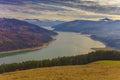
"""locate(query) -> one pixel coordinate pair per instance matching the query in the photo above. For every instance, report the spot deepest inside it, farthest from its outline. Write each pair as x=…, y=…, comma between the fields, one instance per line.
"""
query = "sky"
x=65, y=10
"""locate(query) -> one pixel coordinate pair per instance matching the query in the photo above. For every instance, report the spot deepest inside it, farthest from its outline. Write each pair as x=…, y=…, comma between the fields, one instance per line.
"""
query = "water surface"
x=66, y=44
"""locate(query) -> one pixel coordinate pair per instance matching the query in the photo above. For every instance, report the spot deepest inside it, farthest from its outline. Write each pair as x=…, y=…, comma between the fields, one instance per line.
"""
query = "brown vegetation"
x=16, y=34
x=101, y=70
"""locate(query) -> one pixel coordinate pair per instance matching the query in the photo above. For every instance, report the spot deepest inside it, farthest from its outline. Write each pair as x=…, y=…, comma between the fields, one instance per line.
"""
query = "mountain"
x=105, y=30
x=105, y=19
x=16, y=34
x=43, y=22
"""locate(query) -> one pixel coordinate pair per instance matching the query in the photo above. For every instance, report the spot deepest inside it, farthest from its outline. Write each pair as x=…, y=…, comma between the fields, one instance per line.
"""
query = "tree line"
x=61, y=61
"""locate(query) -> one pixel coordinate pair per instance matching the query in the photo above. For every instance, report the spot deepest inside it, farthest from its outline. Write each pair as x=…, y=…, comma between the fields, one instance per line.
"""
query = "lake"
x=66, y=44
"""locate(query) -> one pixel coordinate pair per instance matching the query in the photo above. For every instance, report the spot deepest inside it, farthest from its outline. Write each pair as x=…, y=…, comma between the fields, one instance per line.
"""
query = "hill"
x=43, y=22
x=104, y=30
x=101, y=70
x=16, y=34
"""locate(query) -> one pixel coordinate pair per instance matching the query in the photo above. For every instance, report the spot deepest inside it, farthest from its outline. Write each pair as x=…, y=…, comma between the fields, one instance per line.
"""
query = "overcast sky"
x=60, y=9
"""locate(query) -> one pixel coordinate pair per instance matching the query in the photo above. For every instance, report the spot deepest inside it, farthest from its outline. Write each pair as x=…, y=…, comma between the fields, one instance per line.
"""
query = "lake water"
x=66, y=44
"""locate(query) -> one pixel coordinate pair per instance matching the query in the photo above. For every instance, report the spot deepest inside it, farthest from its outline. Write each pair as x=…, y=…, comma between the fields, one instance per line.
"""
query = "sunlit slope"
x=16, y=34
x=101, y=70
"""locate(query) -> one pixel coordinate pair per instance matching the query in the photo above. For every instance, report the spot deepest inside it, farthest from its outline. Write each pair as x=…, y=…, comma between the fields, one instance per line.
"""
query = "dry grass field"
x=100, y=70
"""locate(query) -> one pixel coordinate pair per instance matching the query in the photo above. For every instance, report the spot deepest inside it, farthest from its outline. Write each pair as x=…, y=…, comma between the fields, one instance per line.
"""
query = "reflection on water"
x=66, y=44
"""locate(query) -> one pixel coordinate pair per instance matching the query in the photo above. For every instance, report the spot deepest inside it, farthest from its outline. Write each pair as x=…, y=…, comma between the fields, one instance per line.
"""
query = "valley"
x=59, y=40
x=104, y=30
x=66, y=44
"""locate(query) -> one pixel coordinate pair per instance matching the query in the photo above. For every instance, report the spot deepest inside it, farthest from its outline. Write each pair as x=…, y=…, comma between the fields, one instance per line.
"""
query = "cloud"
x=11, y=2
x=60, y=9
x=98, y=6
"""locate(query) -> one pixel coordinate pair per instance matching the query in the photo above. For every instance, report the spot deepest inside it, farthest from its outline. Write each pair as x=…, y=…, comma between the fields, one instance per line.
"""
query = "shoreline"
x=27, y=49
x=105, y=49
x=24, y=50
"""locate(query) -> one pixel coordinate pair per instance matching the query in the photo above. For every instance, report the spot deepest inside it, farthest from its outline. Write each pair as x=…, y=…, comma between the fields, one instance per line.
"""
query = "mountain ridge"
x=43, y=22
x=104, y=30
x=18, y=34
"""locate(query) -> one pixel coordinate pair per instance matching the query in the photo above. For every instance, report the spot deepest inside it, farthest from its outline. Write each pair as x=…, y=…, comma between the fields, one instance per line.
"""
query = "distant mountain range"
x=105, y=30
x=16, y=34
x=43, y=22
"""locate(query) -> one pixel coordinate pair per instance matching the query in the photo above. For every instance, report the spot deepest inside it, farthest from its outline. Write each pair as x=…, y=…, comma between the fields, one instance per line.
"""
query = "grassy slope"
x=100, y=70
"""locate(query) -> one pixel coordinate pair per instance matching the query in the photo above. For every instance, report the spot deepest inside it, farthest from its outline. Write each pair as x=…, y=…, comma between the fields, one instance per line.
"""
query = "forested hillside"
x=16, y=34
x=104, y=30
x=62, y=61
x=100, y=70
